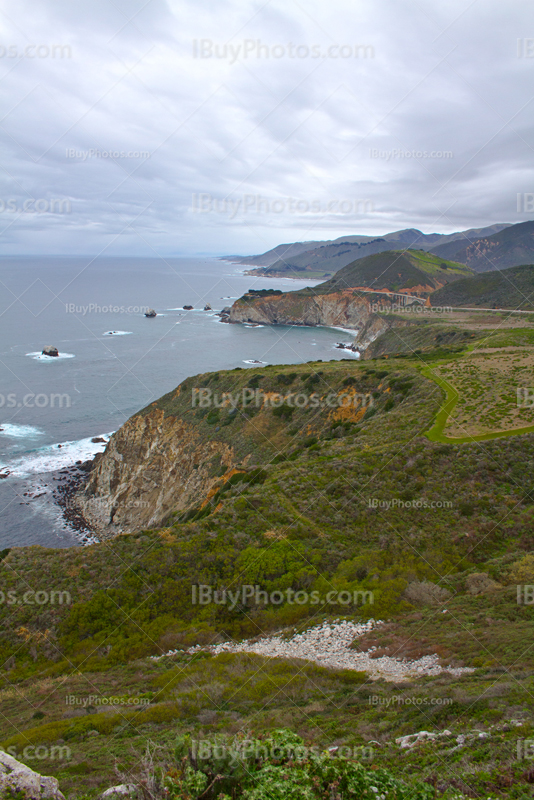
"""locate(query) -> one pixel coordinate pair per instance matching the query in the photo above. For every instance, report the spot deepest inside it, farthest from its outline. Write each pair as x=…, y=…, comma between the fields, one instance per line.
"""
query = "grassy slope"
x=304, y=521
x=512, y=288
x=236, y=693
x=394, y=270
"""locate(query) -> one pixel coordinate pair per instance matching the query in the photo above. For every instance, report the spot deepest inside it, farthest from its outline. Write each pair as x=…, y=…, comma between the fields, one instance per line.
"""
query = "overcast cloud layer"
x=233, y=125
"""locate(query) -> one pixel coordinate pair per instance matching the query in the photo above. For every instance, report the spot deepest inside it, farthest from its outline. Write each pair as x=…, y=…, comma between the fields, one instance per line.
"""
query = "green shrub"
x=283, y=411
x=278, y=767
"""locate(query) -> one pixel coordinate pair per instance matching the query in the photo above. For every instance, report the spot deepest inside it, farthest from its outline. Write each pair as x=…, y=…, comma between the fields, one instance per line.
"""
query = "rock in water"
x=207, y=307
x=50, y=351
x=188, y=308
x=224, y=314
x=17, y=778
x=151, y=313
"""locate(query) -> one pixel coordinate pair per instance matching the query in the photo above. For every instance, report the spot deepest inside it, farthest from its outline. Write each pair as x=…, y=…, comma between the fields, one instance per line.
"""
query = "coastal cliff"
x=345, y=309
x=153, y=464
x=179, y=458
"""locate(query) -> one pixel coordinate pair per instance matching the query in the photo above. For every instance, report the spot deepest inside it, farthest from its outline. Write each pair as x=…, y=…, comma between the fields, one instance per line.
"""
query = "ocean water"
x=113, y=361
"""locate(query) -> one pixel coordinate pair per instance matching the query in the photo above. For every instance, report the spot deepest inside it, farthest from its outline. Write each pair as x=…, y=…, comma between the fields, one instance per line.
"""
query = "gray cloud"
x=275, y=146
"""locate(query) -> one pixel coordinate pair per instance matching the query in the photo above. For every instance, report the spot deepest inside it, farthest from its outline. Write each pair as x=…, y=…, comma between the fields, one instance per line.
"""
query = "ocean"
x=113, y=361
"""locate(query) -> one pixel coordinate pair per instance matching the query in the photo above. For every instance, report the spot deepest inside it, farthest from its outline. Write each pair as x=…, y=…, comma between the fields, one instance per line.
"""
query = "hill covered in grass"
x=511, y=288
x=310, y=511
x=413, y=271
x=320, y=496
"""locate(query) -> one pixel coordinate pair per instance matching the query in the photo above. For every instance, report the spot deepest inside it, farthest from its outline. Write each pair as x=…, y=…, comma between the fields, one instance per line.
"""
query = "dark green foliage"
x=283, y=411
x=254, y=381
x=277, y=767
x=213, y=416
x=286, y=378
x=264, y=292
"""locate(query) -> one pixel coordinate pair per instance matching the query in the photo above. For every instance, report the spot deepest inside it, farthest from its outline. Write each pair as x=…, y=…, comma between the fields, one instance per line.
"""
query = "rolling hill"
x=509, y=247
x=322, y=259
x=510, y=288
x=415, y=271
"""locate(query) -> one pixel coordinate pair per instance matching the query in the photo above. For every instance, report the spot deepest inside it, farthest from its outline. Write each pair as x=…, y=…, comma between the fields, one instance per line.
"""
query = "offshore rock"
x=50, y=351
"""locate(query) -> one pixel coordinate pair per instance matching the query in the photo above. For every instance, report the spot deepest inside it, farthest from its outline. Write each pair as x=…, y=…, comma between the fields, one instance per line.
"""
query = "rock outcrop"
x=48, y=350
x=346, y=309
x=17, y=778
x=151, y=313
x=122, y=790
x=153, y=464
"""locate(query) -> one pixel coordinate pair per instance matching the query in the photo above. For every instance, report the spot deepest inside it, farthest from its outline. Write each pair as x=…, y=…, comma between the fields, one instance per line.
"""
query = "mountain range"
x=509, y=247
x=322, y=259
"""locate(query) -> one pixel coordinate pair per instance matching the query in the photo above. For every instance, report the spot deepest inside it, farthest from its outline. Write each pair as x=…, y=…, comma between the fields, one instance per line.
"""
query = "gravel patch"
x=329, y=646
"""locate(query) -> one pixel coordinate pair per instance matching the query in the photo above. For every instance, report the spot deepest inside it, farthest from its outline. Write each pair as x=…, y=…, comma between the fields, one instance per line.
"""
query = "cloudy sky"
x=228, y=126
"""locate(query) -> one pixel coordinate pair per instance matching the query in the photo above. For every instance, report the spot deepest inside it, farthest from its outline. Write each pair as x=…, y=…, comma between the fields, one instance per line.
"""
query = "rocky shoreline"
x=71, y=481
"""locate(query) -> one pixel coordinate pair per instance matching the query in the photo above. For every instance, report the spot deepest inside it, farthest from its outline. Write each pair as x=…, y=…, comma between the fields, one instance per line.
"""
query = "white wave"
x=54, y=456
x=40, y=357
x=350, y=331
x=117, y=333
x=19, y=431
x=253, y=361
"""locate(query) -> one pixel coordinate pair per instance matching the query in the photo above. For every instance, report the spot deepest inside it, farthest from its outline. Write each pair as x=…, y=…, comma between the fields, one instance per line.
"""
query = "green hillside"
x=511, y=288
x=395, y=270
x=311, y=514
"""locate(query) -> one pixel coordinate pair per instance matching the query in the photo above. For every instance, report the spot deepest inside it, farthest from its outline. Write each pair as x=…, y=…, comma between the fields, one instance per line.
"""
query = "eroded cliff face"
x=344, y=309
x=153, y=464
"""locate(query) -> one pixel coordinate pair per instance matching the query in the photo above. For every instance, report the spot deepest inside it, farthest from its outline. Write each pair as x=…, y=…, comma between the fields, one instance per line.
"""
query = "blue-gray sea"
x=113, y=361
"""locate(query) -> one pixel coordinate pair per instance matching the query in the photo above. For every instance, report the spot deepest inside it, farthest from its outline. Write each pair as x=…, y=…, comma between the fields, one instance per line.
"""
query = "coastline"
x=64, y=497
x=47, y=480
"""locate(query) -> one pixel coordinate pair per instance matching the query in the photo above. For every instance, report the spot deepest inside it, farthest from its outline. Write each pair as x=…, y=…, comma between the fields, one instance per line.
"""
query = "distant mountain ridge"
x=323, y=259
x=510, y=247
